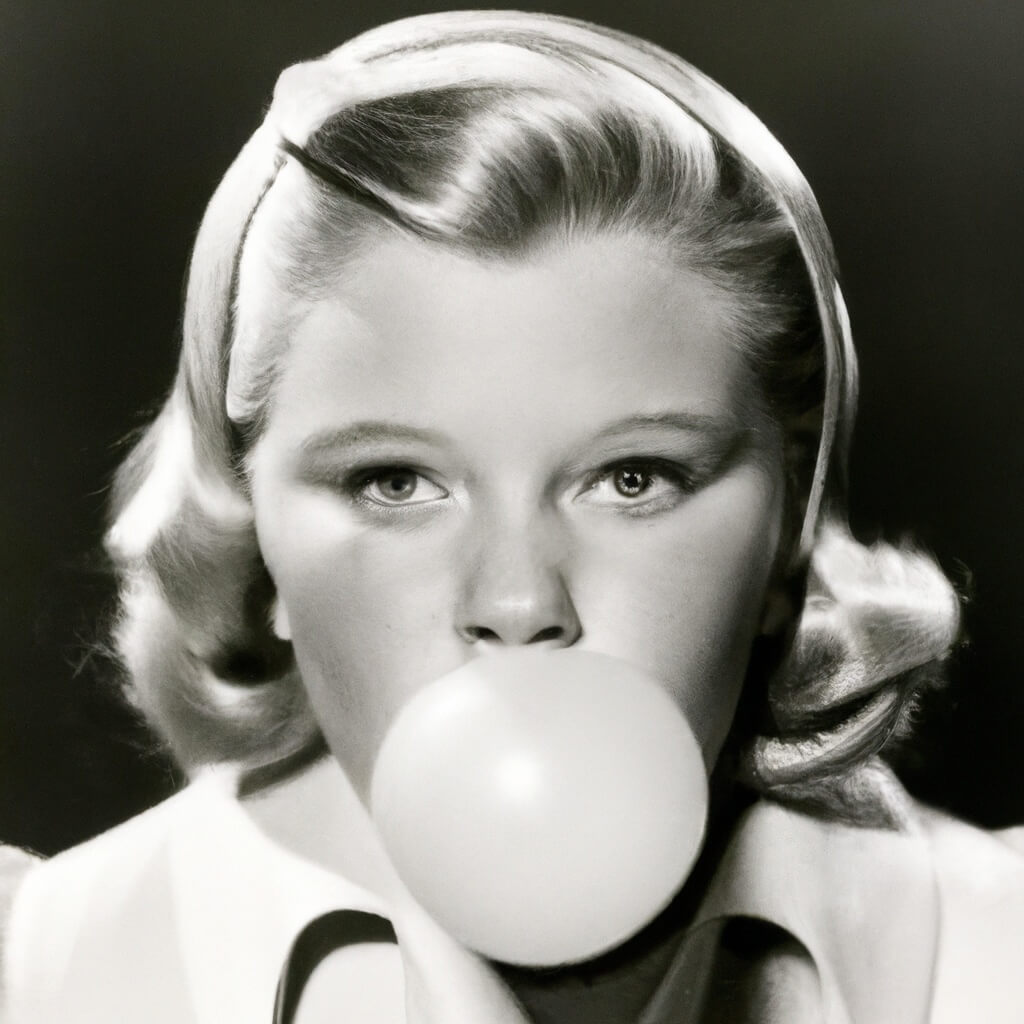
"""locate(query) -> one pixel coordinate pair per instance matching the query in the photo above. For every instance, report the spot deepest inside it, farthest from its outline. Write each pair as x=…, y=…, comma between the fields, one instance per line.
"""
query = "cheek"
x=364, y=609
x=371, y=609
x=683, y=599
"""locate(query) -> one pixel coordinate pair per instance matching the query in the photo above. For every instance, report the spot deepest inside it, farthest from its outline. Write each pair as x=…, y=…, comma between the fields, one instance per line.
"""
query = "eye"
x=396, y=485
x=641, y=484
x=632, y=481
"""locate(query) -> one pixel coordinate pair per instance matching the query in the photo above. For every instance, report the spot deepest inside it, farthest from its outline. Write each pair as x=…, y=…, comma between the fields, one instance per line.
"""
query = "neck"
x=598, y=992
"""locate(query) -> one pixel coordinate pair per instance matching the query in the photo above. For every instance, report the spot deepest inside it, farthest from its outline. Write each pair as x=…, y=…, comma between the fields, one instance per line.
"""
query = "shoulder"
x=980, y=873
x=134, y=924
x=110, y=893
x=980, y=879
x=958, y=844
x=15, y=865
x=112, y=862
x=929, y=915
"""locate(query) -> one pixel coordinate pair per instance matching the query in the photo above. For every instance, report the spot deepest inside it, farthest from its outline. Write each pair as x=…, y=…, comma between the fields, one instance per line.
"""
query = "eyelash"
x=682, y=479
x=355, y=485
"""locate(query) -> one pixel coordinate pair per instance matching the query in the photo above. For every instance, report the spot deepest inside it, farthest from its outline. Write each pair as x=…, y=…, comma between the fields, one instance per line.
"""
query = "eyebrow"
x=720, y=429
x=367, y=432
x=719, y=438
x=692, y=422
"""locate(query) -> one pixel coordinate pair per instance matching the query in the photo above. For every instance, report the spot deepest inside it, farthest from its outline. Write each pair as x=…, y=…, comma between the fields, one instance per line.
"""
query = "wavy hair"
x=491, y=133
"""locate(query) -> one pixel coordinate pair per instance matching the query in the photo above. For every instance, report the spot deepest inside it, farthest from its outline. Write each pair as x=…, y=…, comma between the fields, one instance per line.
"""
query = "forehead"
x=579, y=331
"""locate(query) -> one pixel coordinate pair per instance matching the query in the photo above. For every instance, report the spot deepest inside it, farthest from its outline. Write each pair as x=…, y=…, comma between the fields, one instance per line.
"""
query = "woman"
x=507, y=331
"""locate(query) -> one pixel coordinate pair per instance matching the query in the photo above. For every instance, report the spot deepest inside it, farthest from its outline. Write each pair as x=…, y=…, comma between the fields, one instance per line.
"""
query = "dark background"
x=118, y=120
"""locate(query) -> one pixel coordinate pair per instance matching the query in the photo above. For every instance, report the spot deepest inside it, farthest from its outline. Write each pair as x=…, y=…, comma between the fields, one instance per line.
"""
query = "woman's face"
x=464, y=457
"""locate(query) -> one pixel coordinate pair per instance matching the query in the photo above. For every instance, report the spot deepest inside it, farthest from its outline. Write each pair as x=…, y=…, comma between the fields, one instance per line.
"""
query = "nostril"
x=481, y=633
x=551, y=633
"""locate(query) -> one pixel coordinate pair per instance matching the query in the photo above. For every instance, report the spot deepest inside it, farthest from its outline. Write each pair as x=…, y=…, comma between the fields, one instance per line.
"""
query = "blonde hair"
x=489, y=132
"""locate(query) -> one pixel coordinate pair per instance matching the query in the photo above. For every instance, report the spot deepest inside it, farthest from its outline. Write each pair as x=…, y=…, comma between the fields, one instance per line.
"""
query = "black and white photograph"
x=512, y=516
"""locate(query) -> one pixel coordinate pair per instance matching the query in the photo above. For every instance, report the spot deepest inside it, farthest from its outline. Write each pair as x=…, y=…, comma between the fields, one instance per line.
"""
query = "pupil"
x=401, y=485
x=631, y=482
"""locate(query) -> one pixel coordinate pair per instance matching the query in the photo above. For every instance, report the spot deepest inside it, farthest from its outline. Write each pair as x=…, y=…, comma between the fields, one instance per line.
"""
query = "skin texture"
x=591, y=468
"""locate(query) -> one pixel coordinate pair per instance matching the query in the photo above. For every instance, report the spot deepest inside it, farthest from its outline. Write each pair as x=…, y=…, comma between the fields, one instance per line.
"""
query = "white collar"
x=291, y=854
x=864, y=903
x=308, y=846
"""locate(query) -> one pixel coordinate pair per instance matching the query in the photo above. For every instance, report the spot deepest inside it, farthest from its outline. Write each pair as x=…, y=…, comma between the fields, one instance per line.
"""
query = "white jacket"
x=185, y=914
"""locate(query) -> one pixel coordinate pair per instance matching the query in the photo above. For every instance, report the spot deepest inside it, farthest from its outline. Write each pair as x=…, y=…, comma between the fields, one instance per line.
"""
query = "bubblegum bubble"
x=542, y=807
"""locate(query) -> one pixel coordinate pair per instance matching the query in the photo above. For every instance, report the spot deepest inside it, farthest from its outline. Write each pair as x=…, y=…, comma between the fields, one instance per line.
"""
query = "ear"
x=279, y=620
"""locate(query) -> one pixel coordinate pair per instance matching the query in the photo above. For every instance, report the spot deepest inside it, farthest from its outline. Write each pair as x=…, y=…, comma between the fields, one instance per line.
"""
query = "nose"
x=514, y=590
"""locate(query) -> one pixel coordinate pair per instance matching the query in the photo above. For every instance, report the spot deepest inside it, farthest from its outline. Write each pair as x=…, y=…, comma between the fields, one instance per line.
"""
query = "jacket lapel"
x=863, y=903
x=249, y=875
